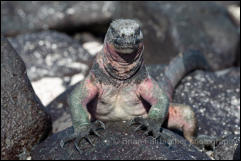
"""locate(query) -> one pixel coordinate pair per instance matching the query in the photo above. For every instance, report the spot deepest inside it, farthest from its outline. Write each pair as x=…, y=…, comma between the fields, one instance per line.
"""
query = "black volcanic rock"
x=118, y=141
x=24, y=121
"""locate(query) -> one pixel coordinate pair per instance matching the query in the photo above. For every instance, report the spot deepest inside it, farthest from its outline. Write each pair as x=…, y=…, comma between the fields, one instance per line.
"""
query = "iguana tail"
x=183, y=64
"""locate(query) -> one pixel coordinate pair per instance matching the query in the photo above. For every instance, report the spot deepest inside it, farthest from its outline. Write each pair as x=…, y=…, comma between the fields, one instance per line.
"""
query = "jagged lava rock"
x=119, y=141
x=24, y=121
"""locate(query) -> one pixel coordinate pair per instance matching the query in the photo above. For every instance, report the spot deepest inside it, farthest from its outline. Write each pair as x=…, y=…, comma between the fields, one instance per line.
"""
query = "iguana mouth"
x=126, y=44
x=125, y=49
x=127, y=54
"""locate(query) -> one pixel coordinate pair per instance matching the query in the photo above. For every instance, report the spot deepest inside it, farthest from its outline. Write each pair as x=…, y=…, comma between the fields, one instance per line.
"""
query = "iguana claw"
x=151, y=126
x=101, y=124
x=146, y=133
x=138, y=128
x=83, y=134
x=67, y=139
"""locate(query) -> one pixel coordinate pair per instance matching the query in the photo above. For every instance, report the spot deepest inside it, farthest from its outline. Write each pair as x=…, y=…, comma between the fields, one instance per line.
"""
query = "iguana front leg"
x=81, y=96
x=150, y=91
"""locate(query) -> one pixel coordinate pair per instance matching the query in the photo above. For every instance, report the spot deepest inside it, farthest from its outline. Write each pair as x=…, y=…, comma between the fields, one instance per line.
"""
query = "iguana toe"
x=96, y=133
x=138, y=128
x=79, y=138
x=67, y=139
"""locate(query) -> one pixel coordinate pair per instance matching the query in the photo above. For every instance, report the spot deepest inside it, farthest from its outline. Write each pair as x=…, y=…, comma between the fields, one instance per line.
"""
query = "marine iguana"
x=119, y=87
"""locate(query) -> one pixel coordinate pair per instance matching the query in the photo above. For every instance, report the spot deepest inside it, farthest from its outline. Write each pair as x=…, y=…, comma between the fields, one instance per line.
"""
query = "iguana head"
x=124, y=35
x=123, y=48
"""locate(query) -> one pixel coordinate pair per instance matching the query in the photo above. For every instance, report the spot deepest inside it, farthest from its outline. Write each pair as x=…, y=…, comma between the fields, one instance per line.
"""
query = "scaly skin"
x=119, y=87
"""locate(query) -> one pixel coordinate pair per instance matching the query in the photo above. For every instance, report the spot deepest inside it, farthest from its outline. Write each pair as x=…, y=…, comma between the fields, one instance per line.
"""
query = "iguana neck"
x=121, y=66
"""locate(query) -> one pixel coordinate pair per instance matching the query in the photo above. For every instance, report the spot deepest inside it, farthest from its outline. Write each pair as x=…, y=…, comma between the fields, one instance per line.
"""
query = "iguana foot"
x=83, y=133
x=152, y=127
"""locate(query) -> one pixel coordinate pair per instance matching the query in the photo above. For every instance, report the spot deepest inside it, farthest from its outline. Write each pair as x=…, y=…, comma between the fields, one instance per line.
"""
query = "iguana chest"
x=120, y=103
